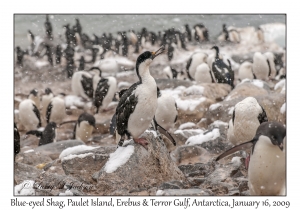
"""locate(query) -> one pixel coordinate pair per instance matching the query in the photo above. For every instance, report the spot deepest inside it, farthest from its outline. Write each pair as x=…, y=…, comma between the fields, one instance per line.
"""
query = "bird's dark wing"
x=164, y=132
x=269, y=67
x=262, y=117
x=16, y=140
x=48, y=135
x=242, y=146
x=35, y=132
x=74, y=131
x=87, y=84
x=37, y=113
x=125, y=108
x=187, y=68
x=48, y=112
x=101, y=91
x=113, y=124
x=233, y=116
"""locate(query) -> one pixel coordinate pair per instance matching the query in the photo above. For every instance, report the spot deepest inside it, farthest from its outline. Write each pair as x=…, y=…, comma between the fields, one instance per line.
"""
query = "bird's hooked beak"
x=158, y=52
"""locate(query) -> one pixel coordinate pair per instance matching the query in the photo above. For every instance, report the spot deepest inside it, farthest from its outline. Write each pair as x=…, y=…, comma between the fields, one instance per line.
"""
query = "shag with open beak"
x=137, y=105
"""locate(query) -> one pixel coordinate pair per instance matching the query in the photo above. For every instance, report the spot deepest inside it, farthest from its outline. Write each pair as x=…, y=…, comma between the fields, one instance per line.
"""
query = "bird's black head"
x=96, y=69
x=274, y=130
x=77, y=20
x=87, y=117
x=48, y=91
x=217, y=50
x=52, y=125
x=147, y=57
x=34, y=92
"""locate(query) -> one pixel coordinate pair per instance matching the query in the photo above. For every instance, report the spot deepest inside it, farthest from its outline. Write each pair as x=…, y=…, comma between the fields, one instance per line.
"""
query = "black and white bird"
x=204, y=74
x=48, y=28
x=170, y=72
x=82, y=84
x=47, y=136
x=29, y=115
x=46, y=99
x=201, y=33
x=137, y=106
x=261, y=66
x=246, y=71
x=56, y=110
x=222, y=72
x=248, y=114
x=267, y=167
x=166, y=112
x=34, y=95
x=84, y=127
x=195, y=60
x=271, y=63
x=104, y=90
x=16, y=140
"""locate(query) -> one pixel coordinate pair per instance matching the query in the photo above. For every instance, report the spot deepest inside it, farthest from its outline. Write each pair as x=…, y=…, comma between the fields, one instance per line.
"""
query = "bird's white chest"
x=145, y=109
x=266, y=168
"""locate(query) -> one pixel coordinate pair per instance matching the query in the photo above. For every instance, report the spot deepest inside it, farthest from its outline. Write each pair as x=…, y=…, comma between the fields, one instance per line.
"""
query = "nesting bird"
x=195, y=60
x=82, y=84
x=246, y=71
x=248, y=114
x=84, y=127
x=271, y=62
x=46, y=99
x=222, y=72
x=34, y=96
x=138, y=104
x=203, y=74
x=104, y=90
x=201, y=33
x=56, y=109
x=29, y=114
x=47, y=136
x=261, y=67
x=267, y=167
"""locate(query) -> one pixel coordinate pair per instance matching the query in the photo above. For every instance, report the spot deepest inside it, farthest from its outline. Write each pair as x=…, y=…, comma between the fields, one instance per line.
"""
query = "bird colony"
x=176, y=112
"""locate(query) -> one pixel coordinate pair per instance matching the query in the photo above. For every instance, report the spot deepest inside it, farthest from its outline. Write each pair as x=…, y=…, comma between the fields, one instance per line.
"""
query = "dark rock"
x=184, y=192
x=188, y=154
x=171, y=185
x=195, y=182
x=25, y=172
x=197, y=170
x=33, y=158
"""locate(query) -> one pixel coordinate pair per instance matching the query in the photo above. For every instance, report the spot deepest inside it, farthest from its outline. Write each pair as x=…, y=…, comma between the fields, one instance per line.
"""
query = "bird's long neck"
x=144, y=74
x=217, y=53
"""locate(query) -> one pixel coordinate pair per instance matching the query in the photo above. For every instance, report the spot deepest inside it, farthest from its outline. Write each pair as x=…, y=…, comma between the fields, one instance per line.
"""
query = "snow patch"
x=203, y=137
x=118, y=158
x=28, y=151
x=71, y=156
x=280, y=84
x=186, y=125
x=282, y=109
x=160, y=192
x=194, y=90
x=25, y=188
x=72, y=100
x=214, y=106
x=189, y=104
x=67, y=192
x=217, y=123
x=76, y=149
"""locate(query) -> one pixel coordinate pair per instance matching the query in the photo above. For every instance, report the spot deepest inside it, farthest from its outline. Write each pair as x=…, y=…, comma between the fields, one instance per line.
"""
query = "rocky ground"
x=98, y=167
